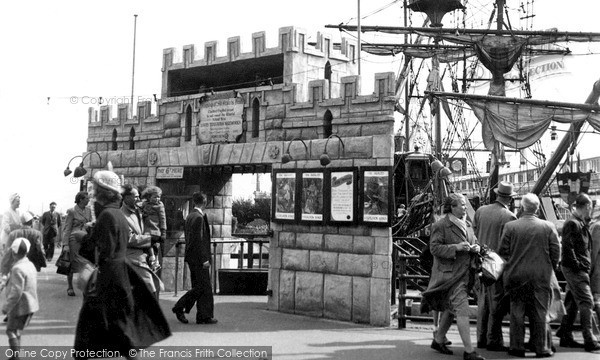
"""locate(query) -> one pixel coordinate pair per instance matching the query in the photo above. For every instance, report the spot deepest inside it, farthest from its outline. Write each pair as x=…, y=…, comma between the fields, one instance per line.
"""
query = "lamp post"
x=80, y=170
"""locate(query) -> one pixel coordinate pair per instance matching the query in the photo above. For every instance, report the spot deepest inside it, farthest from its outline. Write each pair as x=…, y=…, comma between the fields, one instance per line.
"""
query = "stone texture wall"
x=338, y=272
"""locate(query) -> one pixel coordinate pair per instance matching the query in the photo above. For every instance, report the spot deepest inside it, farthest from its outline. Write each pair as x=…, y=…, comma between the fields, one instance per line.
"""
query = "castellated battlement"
x=267, y=113
x=290, y=39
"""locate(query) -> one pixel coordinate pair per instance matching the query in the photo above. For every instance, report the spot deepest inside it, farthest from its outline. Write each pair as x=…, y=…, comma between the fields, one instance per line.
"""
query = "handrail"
x=249, y=239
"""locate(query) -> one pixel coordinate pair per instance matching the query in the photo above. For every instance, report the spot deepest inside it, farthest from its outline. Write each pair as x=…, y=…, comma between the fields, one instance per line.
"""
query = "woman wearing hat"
x=79, y=219
x=121, y=314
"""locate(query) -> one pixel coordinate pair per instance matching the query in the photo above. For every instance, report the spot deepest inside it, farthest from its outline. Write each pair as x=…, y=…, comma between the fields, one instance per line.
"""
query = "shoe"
x=441, y=348
x=553, y=348
x=560, y=333
x=70, y=292
x=545, y=354
x=472, y=356
x=591, y=347
x=570, y=343
x=481, y=345
x=208, y=321
x=446, y=341
x=517, y=353
x=180, y=316
x=499, y=348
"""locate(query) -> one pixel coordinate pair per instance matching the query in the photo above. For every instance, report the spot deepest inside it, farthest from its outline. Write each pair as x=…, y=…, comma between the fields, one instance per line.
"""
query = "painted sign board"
x=169, y=172
x=220, y=120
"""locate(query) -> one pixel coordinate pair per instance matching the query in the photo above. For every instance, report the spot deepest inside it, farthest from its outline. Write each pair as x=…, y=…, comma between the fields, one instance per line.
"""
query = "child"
x=155, y=222
x=21, y=294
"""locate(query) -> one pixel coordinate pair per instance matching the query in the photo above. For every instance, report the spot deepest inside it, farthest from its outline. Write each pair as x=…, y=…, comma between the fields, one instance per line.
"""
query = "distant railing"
x=245, y=259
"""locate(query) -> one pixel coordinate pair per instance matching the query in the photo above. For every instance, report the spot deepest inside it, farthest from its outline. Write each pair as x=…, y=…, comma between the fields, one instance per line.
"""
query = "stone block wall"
x=342, y=273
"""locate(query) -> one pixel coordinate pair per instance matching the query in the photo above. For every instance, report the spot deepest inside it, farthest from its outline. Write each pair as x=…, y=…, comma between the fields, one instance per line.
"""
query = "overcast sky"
x=71, y=50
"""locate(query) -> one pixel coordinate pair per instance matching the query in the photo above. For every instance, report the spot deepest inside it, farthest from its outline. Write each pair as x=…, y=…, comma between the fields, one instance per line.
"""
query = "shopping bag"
x=492, y=266
x=83, y=276
x=63, y=264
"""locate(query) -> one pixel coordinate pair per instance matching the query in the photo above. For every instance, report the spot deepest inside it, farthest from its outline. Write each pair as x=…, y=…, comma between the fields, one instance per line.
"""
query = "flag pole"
x=133, y=69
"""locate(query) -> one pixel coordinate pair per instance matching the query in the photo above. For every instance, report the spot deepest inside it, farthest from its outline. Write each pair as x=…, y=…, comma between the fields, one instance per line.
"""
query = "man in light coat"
x=492, y=306
x=531, y=250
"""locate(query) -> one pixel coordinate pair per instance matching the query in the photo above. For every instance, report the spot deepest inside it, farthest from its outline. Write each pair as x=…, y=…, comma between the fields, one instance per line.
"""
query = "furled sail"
x=519, y=123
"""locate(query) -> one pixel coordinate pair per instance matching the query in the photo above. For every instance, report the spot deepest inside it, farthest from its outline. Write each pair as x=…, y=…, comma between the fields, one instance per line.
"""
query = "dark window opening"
x=327, y=127
x=255, y=117
x=226, y=76
x=328, y=73
x=188, y=123
x=131, y=141
x=114, y=140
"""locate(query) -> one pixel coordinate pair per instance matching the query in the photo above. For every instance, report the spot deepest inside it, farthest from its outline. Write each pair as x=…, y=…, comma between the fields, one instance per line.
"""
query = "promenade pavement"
x=244, y=321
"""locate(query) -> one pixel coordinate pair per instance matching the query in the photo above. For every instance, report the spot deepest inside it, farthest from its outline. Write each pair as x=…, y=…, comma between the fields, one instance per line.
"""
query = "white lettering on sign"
x=169, y=172
x=220, y=120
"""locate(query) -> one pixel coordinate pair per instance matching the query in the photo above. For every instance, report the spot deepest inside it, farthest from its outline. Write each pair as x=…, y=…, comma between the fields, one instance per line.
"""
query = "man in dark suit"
x=197, y=255
x=51, y=222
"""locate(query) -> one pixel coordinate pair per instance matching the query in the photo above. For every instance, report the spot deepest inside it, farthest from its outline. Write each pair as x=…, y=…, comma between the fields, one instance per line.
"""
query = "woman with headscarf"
x=452, y=243
x=79, y=220
x=121, y=314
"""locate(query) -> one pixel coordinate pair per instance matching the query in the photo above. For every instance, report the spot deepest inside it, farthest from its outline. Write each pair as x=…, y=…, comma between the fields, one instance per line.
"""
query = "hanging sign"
x=220, y=120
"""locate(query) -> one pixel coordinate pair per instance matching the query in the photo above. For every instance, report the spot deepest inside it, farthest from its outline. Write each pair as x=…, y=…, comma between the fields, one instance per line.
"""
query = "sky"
x=60, y=56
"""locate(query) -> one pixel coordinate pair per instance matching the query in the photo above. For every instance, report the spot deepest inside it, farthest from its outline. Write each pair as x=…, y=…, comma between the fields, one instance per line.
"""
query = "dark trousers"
x=200, y=294
x=49, y=246
x=532, y=300
x=492, y=306
x=579, y=296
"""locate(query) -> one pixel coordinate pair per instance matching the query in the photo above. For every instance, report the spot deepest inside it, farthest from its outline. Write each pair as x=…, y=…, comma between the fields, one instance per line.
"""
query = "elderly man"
x=492, y=306
x=576, y=266
x=531, y=250
x=11, y=219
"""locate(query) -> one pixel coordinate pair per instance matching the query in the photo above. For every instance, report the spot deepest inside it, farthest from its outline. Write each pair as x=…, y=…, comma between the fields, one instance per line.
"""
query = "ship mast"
x=494, y=163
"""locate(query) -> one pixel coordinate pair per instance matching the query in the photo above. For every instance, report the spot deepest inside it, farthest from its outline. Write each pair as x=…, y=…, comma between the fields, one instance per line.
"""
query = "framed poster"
x=376, y=205
x=341, y=195
x=311, y=195
x=284, y=195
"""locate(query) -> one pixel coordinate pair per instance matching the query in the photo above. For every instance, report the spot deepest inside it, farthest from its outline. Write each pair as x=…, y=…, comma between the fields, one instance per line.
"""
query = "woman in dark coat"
x=121, y=314
x=452, y=243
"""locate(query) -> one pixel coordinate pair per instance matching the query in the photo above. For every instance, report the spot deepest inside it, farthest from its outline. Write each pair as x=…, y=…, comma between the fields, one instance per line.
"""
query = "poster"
x=342, y=203
x=284, y=196
x=312, y=196
x=376, y=207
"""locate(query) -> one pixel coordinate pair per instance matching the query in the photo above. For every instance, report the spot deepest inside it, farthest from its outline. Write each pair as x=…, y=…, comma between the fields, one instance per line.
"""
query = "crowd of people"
x=528, y=287
x=114, y=245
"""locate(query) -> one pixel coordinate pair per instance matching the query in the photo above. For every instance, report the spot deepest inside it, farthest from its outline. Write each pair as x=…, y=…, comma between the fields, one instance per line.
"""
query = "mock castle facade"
x=241, y=112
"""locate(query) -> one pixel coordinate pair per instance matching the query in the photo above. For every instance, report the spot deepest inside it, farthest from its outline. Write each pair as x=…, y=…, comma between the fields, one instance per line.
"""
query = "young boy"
x=21, y=294
x=155, y=222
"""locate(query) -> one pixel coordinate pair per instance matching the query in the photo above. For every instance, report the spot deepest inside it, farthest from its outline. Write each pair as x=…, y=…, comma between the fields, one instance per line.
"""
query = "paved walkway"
x=245, y=321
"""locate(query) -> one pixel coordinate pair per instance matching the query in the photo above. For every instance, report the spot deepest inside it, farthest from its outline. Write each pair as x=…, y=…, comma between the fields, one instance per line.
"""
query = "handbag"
x=492, y=266
x=63, y=264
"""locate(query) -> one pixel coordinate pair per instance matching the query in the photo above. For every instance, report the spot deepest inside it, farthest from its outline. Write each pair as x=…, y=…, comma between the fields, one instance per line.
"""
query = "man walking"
x=51, y=223
x=531, y=250
x=492, y=306
x=197, y=255
x=576, y=266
